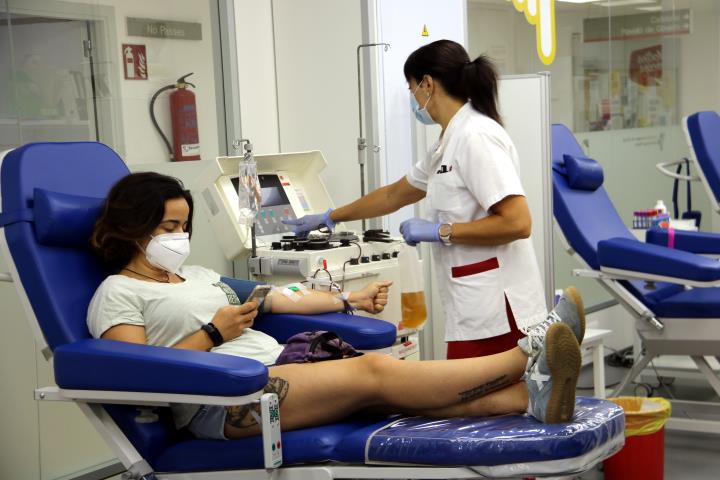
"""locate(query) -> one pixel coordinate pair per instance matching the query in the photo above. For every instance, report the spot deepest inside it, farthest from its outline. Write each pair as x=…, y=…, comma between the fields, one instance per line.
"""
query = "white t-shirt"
x=172, y=311
x=471, y=168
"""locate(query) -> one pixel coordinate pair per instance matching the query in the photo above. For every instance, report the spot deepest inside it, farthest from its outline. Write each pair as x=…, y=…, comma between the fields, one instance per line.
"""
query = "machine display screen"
x=272, y=191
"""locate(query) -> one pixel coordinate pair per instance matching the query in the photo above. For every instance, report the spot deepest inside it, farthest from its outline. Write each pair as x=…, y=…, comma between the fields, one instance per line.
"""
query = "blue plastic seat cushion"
x=687, y=241
x=308, y=445
x=363, y=333
x=419, y=440
x=694, y=303
x=633, y=255
x=497, y=440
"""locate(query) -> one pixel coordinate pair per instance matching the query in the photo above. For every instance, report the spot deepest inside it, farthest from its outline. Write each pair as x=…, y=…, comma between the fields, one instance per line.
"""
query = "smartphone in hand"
x=259, y=293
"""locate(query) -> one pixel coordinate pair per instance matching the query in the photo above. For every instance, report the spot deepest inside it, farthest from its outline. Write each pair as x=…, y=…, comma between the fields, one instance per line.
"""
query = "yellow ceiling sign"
x=541, y=14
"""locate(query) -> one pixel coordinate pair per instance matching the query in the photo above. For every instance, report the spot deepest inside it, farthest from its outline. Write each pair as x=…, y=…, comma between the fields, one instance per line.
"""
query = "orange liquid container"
x=412, y=289
x=414, y=312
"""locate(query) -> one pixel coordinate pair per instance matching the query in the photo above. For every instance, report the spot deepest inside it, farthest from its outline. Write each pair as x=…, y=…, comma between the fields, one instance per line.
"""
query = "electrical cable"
x=314, y=275
x=342, y=282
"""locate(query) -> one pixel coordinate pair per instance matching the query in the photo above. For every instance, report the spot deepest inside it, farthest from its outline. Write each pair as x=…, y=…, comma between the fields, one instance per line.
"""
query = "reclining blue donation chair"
x=51, y=194
x=666, y=283
x=702, y=131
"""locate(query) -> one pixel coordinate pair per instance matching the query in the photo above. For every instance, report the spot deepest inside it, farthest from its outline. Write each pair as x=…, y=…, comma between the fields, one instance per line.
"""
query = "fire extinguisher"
x=183, y=115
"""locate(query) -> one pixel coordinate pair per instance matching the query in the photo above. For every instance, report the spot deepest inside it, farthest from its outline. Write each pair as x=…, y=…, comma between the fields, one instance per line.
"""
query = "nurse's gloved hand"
x=303, y=226
x=417, y=230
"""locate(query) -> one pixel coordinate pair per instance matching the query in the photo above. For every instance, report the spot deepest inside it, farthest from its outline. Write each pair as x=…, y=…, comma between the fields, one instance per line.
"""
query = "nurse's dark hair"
x=448, y=62
x=133, y=209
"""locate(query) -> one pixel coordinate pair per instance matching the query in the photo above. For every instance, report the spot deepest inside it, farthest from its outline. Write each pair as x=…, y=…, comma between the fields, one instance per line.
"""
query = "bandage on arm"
x=296, y=298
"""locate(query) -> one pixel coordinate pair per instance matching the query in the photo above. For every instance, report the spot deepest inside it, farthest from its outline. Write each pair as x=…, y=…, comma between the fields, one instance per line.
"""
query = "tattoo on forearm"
x=239, y=416
x=484, y=389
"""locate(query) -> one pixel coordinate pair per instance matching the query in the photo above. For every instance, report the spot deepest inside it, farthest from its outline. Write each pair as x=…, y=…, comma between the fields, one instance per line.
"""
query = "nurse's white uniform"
x=471, y=168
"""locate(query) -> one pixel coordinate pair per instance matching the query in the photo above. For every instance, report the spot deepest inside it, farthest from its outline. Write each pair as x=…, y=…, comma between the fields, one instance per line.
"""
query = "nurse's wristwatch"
x=445, y=231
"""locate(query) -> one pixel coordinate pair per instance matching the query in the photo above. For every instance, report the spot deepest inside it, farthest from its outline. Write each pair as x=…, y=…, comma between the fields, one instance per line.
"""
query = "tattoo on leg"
x=484, y=389
x=240, y=416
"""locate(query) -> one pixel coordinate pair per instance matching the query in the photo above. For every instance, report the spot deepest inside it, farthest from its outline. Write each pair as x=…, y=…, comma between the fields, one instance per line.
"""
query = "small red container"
x=642, y=457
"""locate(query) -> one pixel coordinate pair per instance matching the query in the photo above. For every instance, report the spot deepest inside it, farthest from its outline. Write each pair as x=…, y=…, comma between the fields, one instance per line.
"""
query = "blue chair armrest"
x=120, y=366
x=633, y=255
x=361, y=332
x=695, y=242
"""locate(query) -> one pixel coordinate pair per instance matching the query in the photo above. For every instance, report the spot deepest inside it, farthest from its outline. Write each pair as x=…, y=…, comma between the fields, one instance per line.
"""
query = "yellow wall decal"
x=540, y=14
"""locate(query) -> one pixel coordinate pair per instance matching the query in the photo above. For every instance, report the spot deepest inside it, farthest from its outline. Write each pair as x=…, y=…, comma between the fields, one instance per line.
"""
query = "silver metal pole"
x=361, y=142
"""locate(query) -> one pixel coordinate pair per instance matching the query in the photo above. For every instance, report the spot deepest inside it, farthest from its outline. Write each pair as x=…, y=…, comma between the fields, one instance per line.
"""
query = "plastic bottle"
x=660, y=207
x=249, y=191
x=412, y=290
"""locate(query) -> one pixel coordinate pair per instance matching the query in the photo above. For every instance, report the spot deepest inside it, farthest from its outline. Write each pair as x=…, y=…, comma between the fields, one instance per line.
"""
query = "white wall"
x=315, y=42
x=256, y=71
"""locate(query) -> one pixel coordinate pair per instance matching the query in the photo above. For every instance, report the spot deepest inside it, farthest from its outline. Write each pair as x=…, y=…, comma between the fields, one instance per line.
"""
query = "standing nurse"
x=478, y=222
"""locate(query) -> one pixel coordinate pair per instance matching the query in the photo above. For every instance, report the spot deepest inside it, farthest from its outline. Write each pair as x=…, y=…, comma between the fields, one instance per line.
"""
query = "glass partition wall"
x=625, y=74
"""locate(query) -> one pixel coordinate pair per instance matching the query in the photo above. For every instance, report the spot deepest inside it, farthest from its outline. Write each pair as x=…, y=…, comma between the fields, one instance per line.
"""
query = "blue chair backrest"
x=586, y=215
x=704, y=131
x=51, y=196
x=59, y=273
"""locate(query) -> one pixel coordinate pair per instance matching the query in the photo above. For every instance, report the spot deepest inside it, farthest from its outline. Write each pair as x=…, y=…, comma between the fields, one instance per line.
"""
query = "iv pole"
x=361, y=142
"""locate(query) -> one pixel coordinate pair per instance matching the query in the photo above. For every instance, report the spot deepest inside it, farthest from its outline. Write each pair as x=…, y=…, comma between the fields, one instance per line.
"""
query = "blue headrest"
x=583, y=173
x=65, y=220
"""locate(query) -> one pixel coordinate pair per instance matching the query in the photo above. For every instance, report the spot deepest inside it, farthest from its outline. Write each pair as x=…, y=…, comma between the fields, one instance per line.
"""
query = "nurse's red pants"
x=487, y=346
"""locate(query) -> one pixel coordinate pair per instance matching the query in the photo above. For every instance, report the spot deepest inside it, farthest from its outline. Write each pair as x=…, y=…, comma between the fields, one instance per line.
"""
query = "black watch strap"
x=214, y=334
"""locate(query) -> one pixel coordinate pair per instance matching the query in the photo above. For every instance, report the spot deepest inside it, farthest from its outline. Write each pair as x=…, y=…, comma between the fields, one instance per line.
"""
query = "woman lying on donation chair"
x=143, y=233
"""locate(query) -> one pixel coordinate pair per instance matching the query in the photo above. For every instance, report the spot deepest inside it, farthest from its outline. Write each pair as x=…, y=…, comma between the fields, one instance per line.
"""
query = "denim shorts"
x=209, y=422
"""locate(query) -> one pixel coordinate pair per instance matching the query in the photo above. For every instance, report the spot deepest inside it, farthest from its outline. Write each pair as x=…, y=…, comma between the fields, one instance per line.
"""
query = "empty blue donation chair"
x=671, y=292
x=51, y=194
x=702, y=131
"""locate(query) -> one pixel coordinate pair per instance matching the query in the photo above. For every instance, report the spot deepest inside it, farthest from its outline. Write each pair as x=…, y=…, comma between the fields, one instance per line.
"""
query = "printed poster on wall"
x=135, y=60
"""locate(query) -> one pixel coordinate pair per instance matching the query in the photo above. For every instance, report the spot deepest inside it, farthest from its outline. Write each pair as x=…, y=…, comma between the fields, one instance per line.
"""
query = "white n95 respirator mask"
x=168, y=251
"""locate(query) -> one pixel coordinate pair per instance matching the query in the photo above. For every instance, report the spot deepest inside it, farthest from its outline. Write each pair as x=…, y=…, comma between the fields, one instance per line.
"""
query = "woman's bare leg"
x=317, y=393
x=511, y=399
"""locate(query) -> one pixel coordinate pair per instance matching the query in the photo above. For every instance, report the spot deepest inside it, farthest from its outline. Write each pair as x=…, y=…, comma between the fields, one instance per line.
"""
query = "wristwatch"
x=445, y=231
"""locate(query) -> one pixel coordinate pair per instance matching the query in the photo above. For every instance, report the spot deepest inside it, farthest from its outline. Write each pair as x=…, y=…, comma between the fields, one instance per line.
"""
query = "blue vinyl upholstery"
x=586, y=217
x=589, y=217
x=704, y=131
x=626, y=254
x=63, y=279
x=583, y=173
x=695, y=242
x=64, y=220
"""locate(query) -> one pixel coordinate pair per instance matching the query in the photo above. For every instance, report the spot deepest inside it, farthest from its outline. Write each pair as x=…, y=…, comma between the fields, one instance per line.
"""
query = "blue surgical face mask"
x=420, y=113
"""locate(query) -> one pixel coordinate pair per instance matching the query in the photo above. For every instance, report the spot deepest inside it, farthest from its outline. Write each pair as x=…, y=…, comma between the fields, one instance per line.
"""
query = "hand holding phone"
x=259, y=293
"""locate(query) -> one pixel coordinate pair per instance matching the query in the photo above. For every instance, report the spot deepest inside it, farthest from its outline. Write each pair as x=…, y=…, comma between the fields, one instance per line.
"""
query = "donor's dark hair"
x=448, y=62
x=134, y=208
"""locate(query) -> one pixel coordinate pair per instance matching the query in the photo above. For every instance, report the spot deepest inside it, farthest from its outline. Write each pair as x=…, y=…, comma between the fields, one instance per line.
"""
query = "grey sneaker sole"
x=573, y=294
x=563, y=358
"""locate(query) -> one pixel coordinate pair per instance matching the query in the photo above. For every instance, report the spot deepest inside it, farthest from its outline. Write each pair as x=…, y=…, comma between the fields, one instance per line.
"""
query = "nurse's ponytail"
x=479, y=82
x=448, y=62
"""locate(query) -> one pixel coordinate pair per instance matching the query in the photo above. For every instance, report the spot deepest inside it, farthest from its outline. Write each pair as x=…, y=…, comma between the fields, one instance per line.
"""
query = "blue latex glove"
x=417, y=230
x=303, y=226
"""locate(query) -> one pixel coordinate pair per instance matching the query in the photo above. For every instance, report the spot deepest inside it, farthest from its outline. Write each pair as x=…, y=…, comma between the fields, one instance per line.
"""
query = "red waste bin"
x=643, y=456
